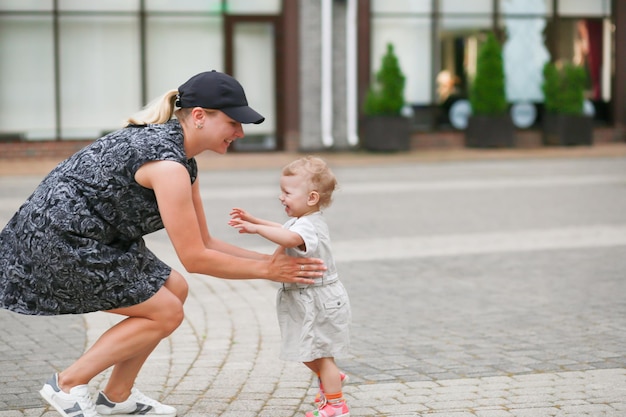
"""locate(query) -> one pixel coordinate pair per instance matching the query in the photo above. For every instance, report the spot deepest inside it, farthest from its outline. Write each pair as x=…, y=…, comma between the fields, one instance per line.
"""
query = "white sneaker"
x=77, y=403
x=136, y=404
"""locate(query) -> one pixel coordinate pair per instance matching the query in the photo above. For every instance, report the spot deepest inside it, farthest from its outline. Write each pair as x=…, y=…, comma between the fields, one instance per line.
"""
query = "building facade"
x=75, y=69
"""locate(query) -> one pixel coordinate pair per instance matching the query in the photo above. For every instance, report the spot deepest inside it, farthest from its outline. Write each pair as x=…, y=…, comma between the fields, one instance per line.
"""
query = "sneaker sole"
x=48, y=397
x=138, y=414
x=135, y=414
x=342, y=415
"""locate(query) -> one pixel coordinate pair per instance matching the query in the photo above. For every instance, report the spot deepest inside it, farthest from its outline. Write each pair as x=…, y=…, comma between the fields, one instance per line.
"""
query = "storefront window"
x=254, y=67
x=459, y=38
x=26, y=5
x=98, y=5
x=524, y=51
x=401, y=6
x=253, y=7
x=584, y=7
x=588, y=42
x=582, y=33
x=205, y=6
x=170, y=61
x=99, y=73
x=466, y=7
x=535, y=8
x=411, y=39
x=27, y=67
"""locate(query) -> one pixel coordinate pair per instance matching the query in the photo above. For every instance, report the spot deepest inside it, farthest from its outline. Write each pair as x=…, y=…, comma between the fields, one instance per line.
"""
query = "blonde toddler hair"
x=319, y=175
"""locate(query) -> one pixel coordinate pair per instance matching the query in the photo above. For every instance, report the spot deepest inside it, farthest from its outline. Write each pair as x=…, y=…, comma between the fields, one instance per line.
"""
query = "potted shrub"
x=564, y=121
x=490, y=123
x=384, y=127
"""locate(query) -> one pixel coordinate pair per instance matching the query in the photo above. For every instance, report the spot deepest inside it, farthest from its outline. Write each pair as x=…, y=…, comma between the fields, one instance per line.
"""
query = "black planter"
x=567, y=130
x=386, y=133
x=490, y=132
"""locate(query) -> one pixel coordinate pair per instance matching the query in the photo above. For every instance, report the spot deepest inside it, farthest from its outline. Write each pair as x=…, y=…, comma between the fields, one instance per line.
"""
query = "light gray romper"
x=314, y=320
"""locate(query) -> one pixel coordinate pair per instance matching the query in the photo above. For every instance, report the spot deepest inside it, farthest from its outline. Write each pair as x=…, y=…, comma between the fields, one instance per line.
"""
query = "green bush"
x=487, y=93
x=386, y=96
x=564, y=88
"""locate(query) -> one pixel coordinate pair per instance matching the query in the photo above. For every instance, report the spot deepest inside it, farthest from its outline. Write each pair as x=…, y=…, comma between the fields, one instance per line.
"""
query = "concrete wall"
x=311, y=76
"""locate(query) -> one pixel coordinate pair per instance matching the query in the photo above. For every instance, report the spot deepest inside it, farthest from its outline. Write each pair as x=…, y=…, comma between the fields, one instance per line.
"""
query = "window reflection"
x=570, y=30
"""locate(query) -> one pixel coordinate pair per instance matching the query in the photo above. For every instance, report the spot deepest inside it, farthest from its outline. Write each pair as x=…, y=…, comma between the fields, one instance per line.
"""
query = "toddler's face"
x=295, y=195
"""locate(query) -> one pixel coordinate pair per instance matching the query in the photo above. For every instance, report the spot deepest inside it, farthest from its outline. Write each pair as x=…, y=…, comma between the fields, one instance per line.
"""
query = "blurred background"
x=75, y=69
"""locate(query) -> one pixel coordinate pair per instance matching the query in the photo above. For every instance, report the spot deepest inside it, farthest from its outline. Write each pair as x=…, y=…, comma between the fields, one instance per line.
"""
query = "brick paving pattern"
x=480, y=286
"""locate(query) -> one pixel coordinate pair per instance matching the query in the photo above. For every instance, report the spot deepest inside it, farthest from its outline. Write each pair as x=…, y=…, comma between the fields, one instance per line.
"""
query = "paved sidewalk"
x=482, y=285
x=261, y=160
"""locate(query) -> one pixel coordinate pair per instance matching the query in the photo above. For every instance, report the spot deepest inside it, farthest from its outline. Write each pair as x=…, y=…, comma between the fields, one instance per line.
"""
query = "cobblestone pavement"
x=486, y=287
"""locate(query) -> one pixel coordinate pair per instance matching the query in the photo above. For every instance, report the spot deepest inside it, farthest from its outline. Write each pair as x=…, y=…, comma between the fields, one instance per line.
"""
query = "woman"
x=76, y=245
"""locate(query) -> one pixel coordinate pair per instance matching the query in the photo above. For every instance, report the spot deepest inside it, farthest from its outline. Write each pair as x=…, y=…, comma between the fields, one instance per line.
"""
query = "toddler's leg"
x=332, y=403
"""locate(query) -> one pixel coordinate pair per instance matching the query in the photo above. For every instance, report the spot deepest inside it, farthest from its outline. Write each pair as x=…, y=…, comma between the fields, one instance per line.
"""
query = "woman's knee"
x=165, y=310
x=177, y=284
x=172, y=315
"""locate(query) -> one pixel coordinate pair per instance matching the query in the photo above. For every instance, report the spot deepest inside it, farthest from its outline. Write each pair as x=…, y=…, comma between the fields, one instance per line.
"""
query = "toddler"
x=314, y=319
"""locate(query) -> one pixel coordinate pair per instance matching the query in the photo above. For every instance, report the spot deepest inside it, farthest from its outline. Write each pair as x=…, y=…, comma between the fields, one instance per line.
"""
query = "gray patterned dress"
x=76, y=245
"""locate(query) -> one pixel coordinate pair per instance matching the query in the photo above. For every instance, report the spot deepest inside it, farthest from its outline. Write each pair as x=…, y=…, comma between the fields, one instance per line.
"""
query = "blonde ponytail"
x=158, y=111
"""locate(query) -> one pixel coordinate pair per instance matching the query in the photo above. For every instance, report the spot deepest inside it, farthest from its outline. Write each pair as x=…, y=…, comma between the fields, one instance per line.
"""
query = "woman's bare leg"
x=131, y=341
x=124, y=373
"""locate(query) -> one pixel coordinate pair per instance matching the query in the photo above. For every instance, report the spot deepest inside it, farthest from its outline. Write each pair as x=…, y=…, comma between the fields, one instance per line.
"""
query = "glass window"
x=468, y=24
x=524, y=51
x=210, y=6
x=27, y=82
x=586, y=8
x=526, y=8
x=254, y=68
x=253, y=7
x=401, y=6
x=100, y=74
x=460, y=37
x=170, y=61
x=466, y=7
x=98, y=5
x=588, y=42
x=524, y=54
x=411, y=39
x=23, y=5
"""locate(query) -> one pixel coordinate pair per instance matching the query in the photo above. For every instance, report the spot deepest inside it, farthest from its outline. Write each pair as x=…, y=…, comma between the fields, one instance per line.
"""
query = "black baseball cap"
x=219, y=91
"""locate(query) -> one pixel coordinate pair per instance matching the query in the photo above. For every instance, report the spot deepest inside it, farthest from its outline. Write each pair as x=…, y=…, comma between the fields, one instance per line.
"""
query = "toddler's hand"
x=242, y=225
x=239, y=213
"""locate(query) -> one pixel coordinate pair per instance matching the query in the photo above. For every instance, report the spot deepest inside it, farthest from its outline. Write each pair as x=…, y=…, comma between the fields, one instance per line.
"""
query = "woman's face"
x=210, y=130
x=219, y=131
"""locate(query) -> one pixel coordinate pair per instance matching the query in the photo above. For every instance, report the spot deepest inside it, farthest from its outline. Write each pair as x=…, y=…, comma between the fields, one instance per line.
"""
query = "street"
x=487, y=288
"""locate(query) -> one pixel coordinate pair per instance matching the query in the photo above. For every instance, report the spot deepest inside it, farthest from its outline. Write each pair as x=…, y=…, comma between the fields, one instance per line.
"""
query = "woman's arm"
x=197, y=251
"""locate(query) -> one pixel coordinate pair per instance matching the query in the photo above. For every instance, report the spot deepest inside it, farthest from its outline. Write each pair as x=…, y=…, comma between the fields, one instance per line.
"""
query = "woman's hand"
x=288, y=269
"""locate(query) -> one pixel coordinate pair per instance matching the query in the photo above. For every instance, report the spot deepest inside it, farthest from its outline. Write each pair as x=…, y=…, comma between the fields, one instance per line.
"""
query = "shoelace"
x=323, y=402
x=87, y=405
x=141, y=397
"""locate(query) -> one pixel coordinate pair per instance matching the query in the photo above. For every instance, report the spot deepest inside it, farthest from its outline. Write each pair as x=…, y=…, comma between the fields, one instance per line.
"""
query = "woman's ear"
x=197, y=115
x=314, y=198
